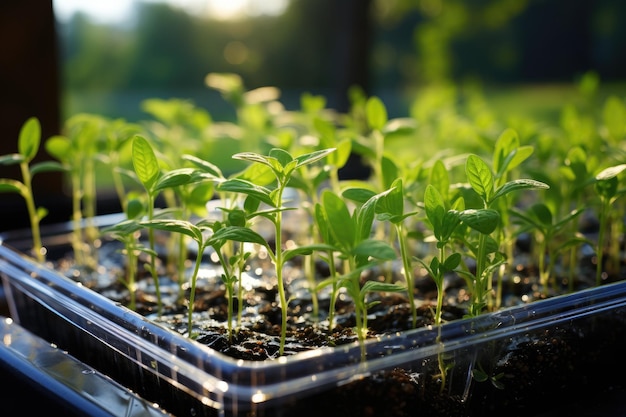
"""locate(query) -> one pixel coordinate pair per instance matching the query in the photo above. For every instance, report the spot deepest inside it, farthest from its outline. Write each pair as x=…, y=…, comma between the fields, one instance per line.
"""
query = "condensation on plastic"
x=149, y=357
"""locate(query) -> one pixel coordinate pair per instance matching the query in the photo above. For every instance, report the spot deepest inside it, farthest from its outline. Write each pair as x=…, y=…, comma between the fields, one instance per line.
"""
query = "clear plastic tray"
x=187, y=378
x=58, y=382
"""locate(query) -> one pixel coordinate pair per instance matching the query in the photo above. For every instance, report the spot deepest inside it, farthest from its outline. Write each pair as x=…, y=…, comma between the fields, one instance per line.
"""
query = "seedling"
x=149, y=174
x=349, y=236
x=390, y=207
x=77, y=152
x=217, y=240
x=576, y=170
x=282, y=165
x=28, y=146
x=127, y=232
x=540, y=219
x=607, y=188
x=482, y=181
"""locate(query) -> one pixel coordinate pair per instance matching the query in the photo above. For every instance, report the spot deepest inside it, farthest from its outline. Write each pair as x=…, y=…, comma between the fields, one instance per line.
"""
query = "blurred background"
x=527, y=57
x=115, y=53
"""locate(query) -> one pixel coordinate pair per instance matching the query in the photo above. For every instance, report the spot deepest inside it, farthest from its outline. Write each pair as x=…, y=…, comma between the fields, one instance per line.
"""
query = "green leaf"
x=451, y=220
x=391, y=202
x=576, y=161
x=259, y=174
x=145, y=162
x=134, y=208
x=307, y=250
x=282, y=156
x=480, y=177
x=505, y=145
x=527, y=220
x=376, y=249
x=340, y=157
x=440, y=178
x=309, y=158
x=519, y=184
x=610, y=172
x=47, y=166
x=13, y=186
x=174, y=178
x=29, y=139
x=254, y=157
x=60, y=147
x=204, y=165
x=321, y=220
x=607, y=188
x=520, y=155
x=435, y=209
x=41, y=212
x=376, y=286
x=389, y=170
x=176, y=226
x=451, y=262
x=246, y=187
x=360, y=195
x=483, y=220
x=123, y=228
x=614, y=117
x=364, y=217
x=340, y=222
x=239, y=234
x=11, y=159
x=435, y=267
x=251, y=204
x=237, y=217
x=542, y=213
x=376, y=113
x=479, y=375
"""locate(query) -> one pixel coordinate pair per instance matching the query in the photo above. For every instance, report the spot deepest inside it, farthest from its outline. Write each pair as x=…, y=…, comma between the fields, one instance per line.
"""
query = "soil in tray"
x=533, y=374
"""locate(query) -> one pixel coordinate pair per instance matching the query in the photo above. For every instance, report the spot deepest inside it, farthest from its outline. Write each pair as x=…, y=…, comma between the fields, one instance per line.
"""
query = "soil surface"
x=531, y=374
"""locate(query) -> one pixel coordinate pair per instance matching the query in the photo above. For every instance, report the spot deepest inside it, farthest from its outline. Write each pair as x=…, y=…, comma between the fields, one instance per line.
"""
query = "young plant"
x=127, y=232
x=282, y=165
x=508, y=155
x=350, y=237
x=390, y=207
x=577, y=171
x=482, y=181
x=77, y=152
x=219, y=237
x=28, y=145
x=607, y=188
x=540, y=219
x=149, y=174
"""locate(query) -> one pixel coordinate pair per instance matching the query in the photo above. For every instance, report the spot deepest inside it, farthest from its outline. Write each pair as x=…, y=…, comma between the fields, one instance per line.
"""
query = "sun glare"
x=226, y=9
x=117, y=11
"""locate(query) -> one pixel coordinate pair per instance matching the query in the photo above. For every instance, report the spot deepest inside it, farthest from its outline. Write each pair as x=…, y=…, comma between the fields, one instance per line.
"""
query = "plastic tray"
x=46, y=380
x=187, y=378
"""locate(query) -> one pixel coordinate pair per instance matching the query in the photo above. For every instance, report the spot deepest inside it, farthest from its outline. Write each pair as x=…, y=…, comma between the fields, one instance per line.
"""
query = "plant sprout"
x=28, y=145
x=607, y=188
x=217, y=240
x=540, y=219
x=482, y=181
x=282, y=165
x=149, y=174
x=349, y=235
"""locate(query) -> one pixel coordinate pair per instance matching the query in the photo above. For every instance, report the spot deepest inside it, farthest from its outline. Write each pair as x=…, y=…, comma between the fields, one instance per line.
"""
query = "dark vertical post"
x=353, y=31
x=29, y=86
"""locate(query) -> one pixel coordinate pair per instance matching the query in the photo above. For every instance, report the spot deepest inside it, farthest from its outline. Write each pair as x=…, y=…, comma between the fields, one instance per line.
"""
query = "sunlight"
x=119, y=11
x=226, y=9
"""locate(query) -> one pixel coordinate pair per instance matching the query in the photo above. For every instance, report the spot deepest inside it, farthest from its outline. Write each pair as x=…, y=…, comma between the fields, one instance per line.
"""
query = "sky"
x=118, y=11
